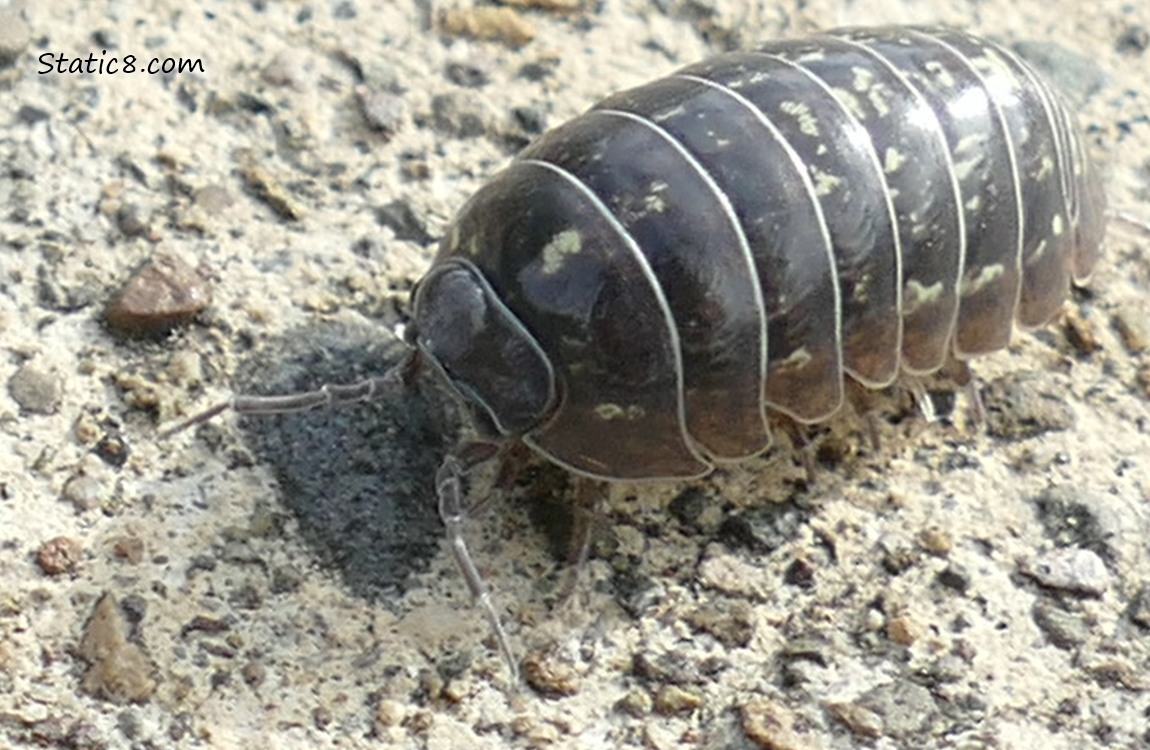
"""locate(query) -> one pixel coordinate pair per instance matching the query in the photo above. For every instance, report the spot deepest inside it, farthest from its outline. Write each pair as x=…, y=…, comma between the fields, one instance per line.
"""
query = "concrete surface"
x=238, y=586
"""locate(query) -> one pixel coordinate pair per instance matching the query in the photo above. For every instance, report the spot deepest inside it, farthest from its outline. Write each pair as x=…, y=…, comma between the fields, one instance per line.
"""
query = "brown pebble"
x=637, y=703
x=268, y=188
x=163, y=293
x=1080, y=332
x=936, y=541
x=770, y=725
x=497, y=24
x=119, y=672
x=672, y=699
x=548, y=675
x=903, y=630
x=86, y=429
x=61, y=554
x=1118, y=671
x=1144, y=381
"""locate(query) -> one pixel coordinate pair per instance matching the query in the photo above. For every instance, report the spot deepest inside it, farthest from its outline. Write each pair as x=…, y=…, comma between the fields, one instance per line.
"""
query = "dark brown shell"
x=734, y=238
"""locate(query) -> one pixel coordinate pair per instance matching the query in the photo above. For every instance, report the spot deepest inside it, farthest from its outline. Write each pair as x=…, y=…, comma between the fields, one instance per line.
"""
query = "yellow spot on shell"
x=825, y=183
x=893, y=161
x=796, y=360
x=801, y=111
x=610, y=411
x=561, y=247
x=916, y=295
x=987, y=274
x=863, y=79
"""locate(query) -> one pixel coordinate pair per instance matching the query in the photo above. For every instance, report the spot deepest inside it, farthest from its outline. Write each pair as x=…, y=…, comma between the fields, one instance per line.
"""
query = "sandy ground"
x=282, y=583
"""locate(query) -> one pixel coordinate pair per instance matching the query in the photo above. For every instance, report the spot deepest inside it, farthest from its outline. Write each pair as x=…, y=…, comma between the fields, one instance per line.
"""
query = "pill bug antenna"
x=327, y=395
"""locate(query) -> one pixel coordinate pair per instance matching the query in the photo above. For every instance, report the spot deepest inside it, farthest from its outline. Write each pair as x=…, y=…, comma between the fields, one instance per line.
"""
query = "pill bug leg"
x=862, y=405
x=589, y=496
x=796, y=433
x=970, y=385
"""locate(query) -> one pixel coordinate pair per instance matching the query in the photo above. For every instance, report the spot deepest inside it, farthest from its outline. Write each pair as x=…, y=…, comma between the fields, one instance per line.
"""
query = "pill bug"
x=643, y=286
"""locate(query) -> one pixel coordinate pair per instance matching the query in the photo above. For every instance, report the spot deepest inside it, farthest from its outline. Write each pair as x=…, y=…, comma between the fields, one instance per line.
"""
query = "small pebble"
x=107, y=38
x=538, y=70
x=86, y=429
x=266, y=187
x=549, y=675
x=213, y=199
x=1073, y=569
x=955, y=577
x=112, y=449
x=164, y=293
x=389, y=713
x=672, y=699
x=903, y=630
x=61, y=554
x=83, y=492
x=383, y=111
x=497, y=24
x=1063, y=629
x=118, y=672
x=1080, y=332
x=770, y=725
x=29, y=115
x=936, y=541
x=898, y=554
x=637, y=703
x=907, y=710
x=34, y=390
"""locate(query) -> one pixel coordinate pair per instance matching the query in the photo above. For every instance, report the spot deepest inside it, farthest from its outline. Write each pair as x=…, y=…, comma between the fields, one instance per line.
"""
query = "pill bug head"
x=481, y=349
